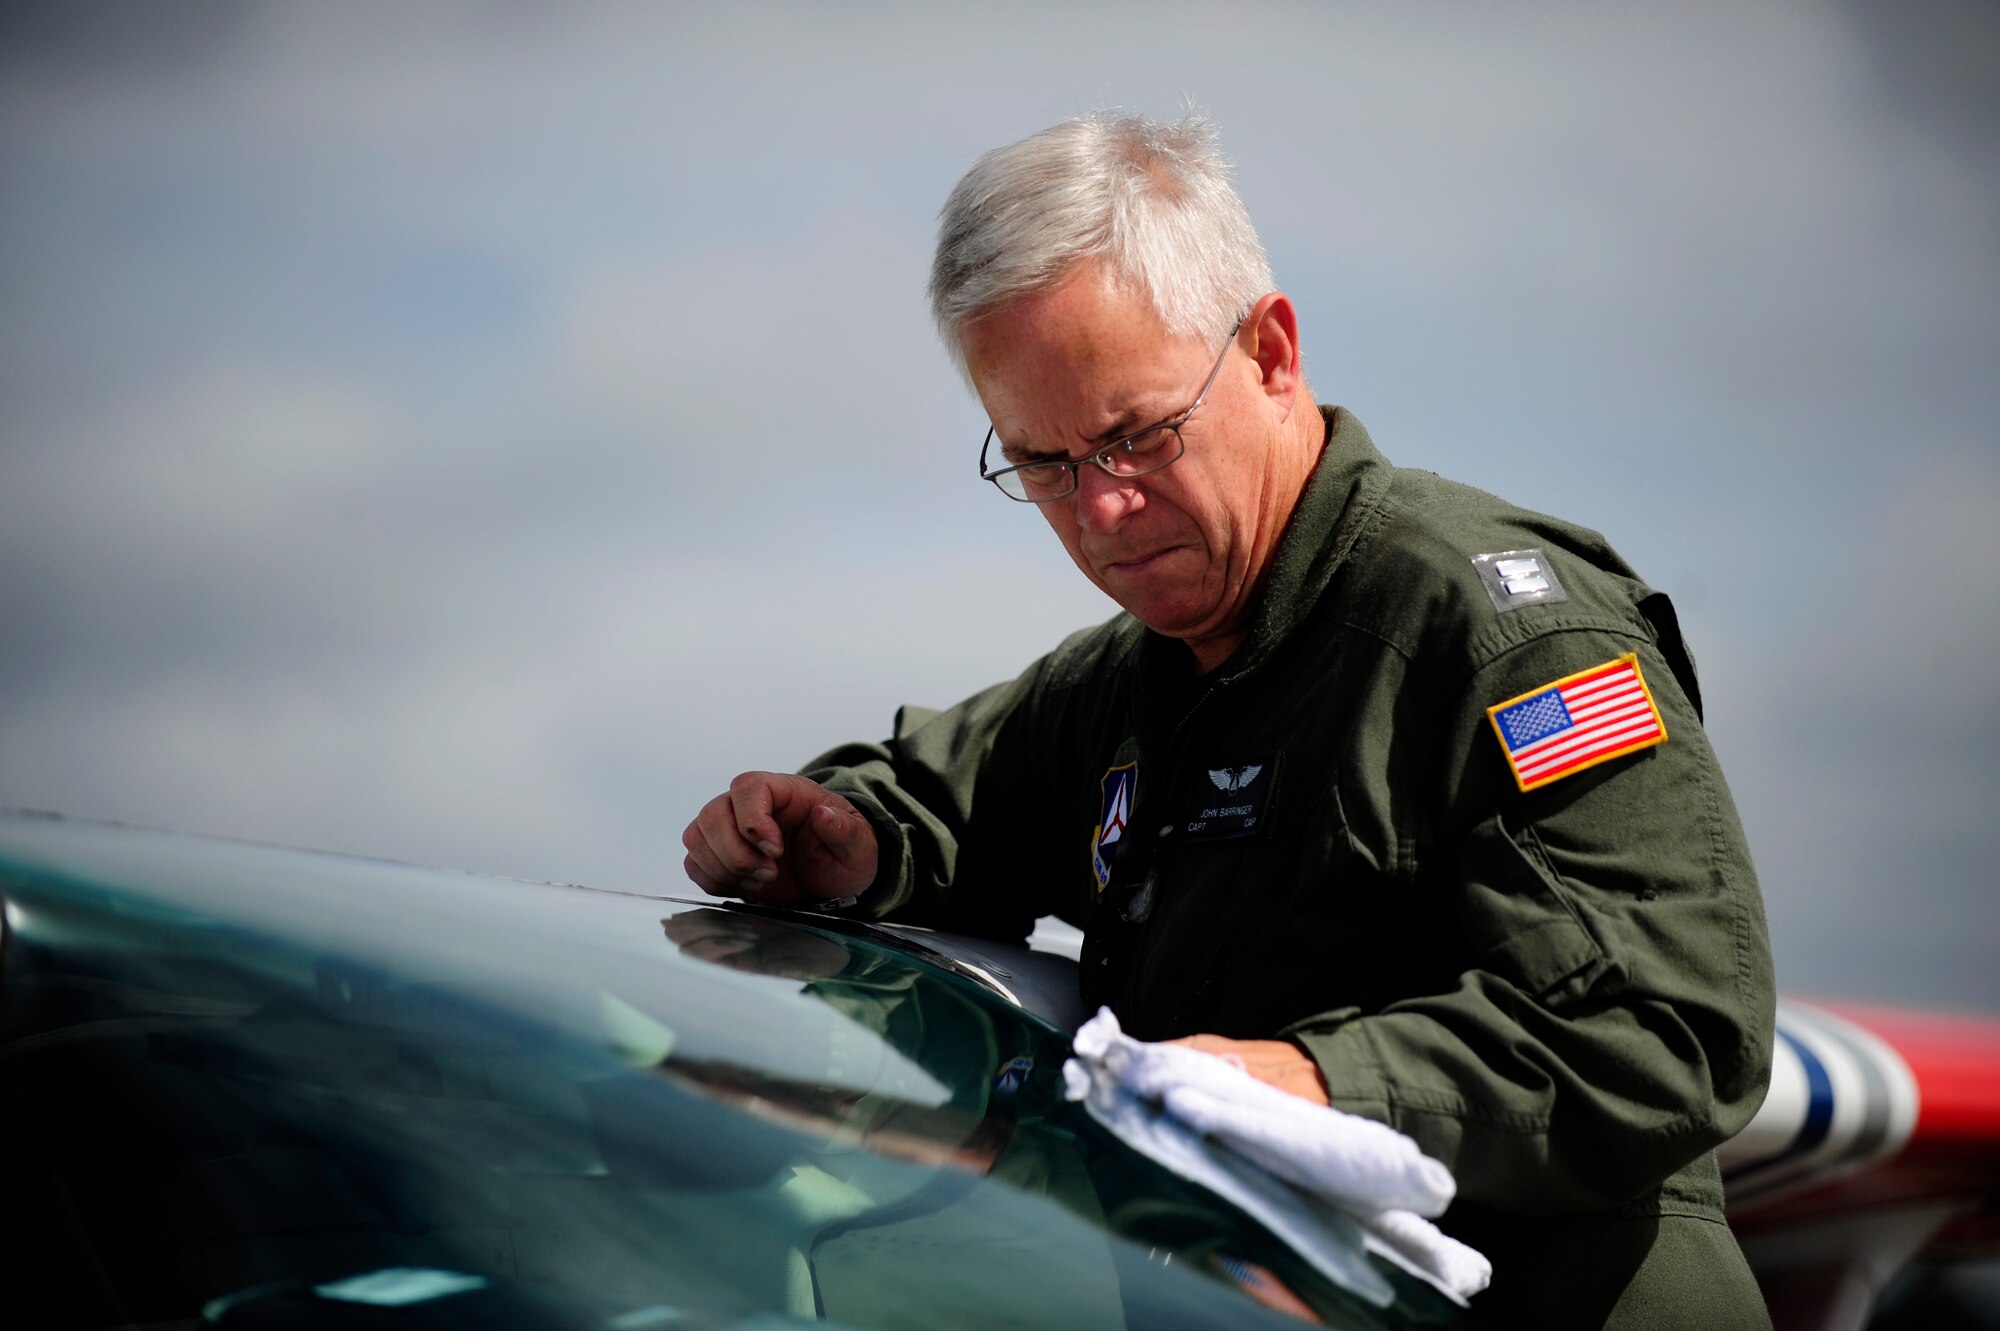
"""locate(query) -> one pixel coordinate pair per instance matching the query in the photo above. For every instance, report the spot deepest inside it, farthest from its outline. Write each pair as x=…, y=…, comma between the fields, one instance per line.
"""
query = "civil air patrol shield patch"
x=1114, y=811
x=1011, y=1076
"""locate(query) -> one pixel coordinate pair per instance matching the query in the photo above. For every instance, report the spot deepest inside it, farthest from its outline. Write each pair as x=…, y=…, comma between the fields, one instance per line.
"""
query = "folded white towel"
x=1458, y=1269
x=1284, y=1159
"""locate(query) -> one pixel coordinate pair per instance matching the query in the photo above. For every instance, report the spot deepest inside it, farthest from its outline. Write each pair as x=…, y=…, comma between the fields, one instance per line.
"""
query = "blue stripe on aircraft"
x=1819, y=1098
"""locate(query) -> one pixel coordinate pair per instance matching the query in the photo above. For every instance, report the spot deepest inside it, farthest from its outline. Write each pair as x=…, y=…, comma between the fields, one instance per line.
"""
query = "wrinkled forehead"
x=1079, y=364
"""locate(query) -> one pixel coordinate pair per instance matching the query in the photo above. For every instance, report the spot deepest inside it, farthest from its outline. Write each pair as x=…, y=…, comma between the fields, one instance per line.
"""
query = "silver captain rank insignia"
x=1514, y=578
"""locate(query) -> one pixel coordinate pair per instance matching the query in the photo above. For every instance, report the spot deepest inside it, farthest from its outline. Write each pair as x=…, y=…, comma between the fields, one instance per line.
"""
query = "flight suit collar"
x=1340, y=499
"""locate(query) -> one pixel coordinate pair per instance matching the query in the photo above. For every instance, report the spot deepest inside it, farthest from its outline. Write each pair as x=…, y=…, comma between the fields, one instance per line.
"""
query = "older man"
x=1393, y=790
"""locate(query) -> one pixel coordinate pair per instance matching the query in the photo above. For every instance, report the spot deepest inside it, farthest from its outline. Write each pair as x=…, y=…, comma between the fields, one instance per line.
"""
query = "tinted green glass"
x=325, y=1096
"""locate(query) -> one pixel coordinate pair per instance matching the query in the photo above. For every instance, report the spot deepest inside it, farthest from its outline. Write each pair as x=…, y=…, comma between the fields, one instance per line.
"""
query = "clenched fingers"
x=755, y=800
x=720, y=859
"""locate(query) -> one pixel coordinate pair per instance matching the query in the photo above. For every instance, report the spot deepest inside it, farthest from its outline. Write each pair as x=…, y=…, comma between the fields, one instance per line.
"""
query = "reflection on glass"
x=252, y=1125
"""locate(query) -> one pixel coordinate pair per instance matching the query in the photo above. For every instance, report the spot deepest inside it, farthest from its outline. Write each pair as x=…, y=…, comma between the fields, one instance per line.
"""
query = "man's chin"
x=1157, y=593
x=1168, y=619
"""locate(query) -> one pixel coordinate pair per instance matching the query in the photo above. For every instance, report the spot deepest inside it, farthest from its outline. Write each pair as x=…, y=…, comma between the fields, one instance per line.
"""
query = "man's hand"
x=779, y=839
x=1279, y=1063
x=756, y=944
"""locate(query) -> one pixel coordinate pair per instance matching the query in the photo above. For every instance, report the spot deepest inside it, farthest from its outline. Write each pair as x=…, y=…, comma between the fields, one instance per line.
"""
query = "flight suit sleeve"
x=1617, y=1017
x=946, y=794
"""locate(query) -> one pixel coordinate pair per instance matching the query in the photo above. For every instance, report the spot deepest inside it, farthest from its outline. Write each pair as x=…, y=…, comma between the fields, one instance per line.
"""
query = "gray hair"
x=1152, y=200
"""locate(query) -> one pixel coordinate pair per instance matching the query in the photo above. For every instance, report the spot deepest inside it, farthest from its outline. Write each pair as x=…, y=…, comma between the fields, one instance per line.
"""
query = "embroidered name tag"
x=1234, y=800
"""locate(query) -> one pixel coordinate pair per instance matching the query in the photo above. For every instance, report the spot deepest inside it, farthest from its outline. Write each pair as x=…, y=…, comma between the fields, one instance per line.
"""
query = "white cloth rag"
x=1310, y=1173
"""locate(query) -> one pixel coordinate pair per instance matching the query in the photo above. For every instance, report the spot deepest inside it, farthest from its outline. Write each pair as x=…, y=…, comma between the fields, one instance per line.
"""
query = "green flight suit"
x=1564, y=994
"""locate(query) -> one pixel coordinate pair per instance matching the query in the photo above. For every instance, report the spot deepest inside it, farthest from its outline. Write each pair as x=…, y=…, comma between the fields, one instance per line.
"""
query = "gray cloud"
x=472, y=435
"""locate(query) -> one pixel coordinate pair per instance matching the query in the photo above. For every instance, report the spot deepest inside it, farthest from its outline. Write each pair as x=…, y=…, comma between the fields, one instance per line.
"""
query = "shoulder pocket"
x=1517, y=917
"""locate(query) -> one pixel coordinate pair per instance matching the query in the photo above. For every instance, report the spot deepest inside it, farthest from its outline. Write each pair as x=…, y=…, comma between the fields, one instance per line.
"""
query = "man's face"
x=1065, y=373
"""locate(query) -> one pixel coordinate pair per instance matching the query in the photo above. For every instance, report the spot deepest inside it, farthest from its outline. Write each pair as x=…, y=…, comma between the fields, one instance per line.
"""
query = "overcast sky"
x=471, y=435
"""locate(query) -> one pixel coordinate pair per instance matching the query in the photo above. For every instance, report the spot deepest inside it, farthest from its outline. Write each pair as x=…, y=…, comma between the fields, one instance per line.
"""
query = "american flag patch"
x=1580, y=721
x=1261, y=1285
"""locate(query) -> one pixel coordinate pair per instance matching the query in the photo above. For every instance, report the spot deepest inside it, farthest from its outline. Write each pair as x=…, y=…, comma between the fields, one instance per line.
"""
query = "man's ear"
x=1272, y=327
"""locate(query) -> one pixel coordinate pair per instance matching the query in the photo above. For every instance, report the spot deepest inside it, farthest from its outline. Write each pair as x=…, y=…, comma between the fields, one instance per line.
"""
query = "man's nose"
x=1104, y=500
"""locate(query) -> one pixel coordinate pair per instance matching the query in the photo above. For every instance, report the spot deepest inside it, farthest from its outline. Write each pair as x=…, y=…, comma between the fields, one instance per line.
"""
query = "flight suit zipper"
x=1138, y=969
x=1114, y=944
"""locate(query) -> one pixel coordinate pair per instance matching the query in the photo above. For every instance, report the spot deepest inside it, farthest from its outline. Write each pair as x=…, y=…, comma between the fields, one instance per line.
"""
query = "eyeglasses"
x=1138, y=454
